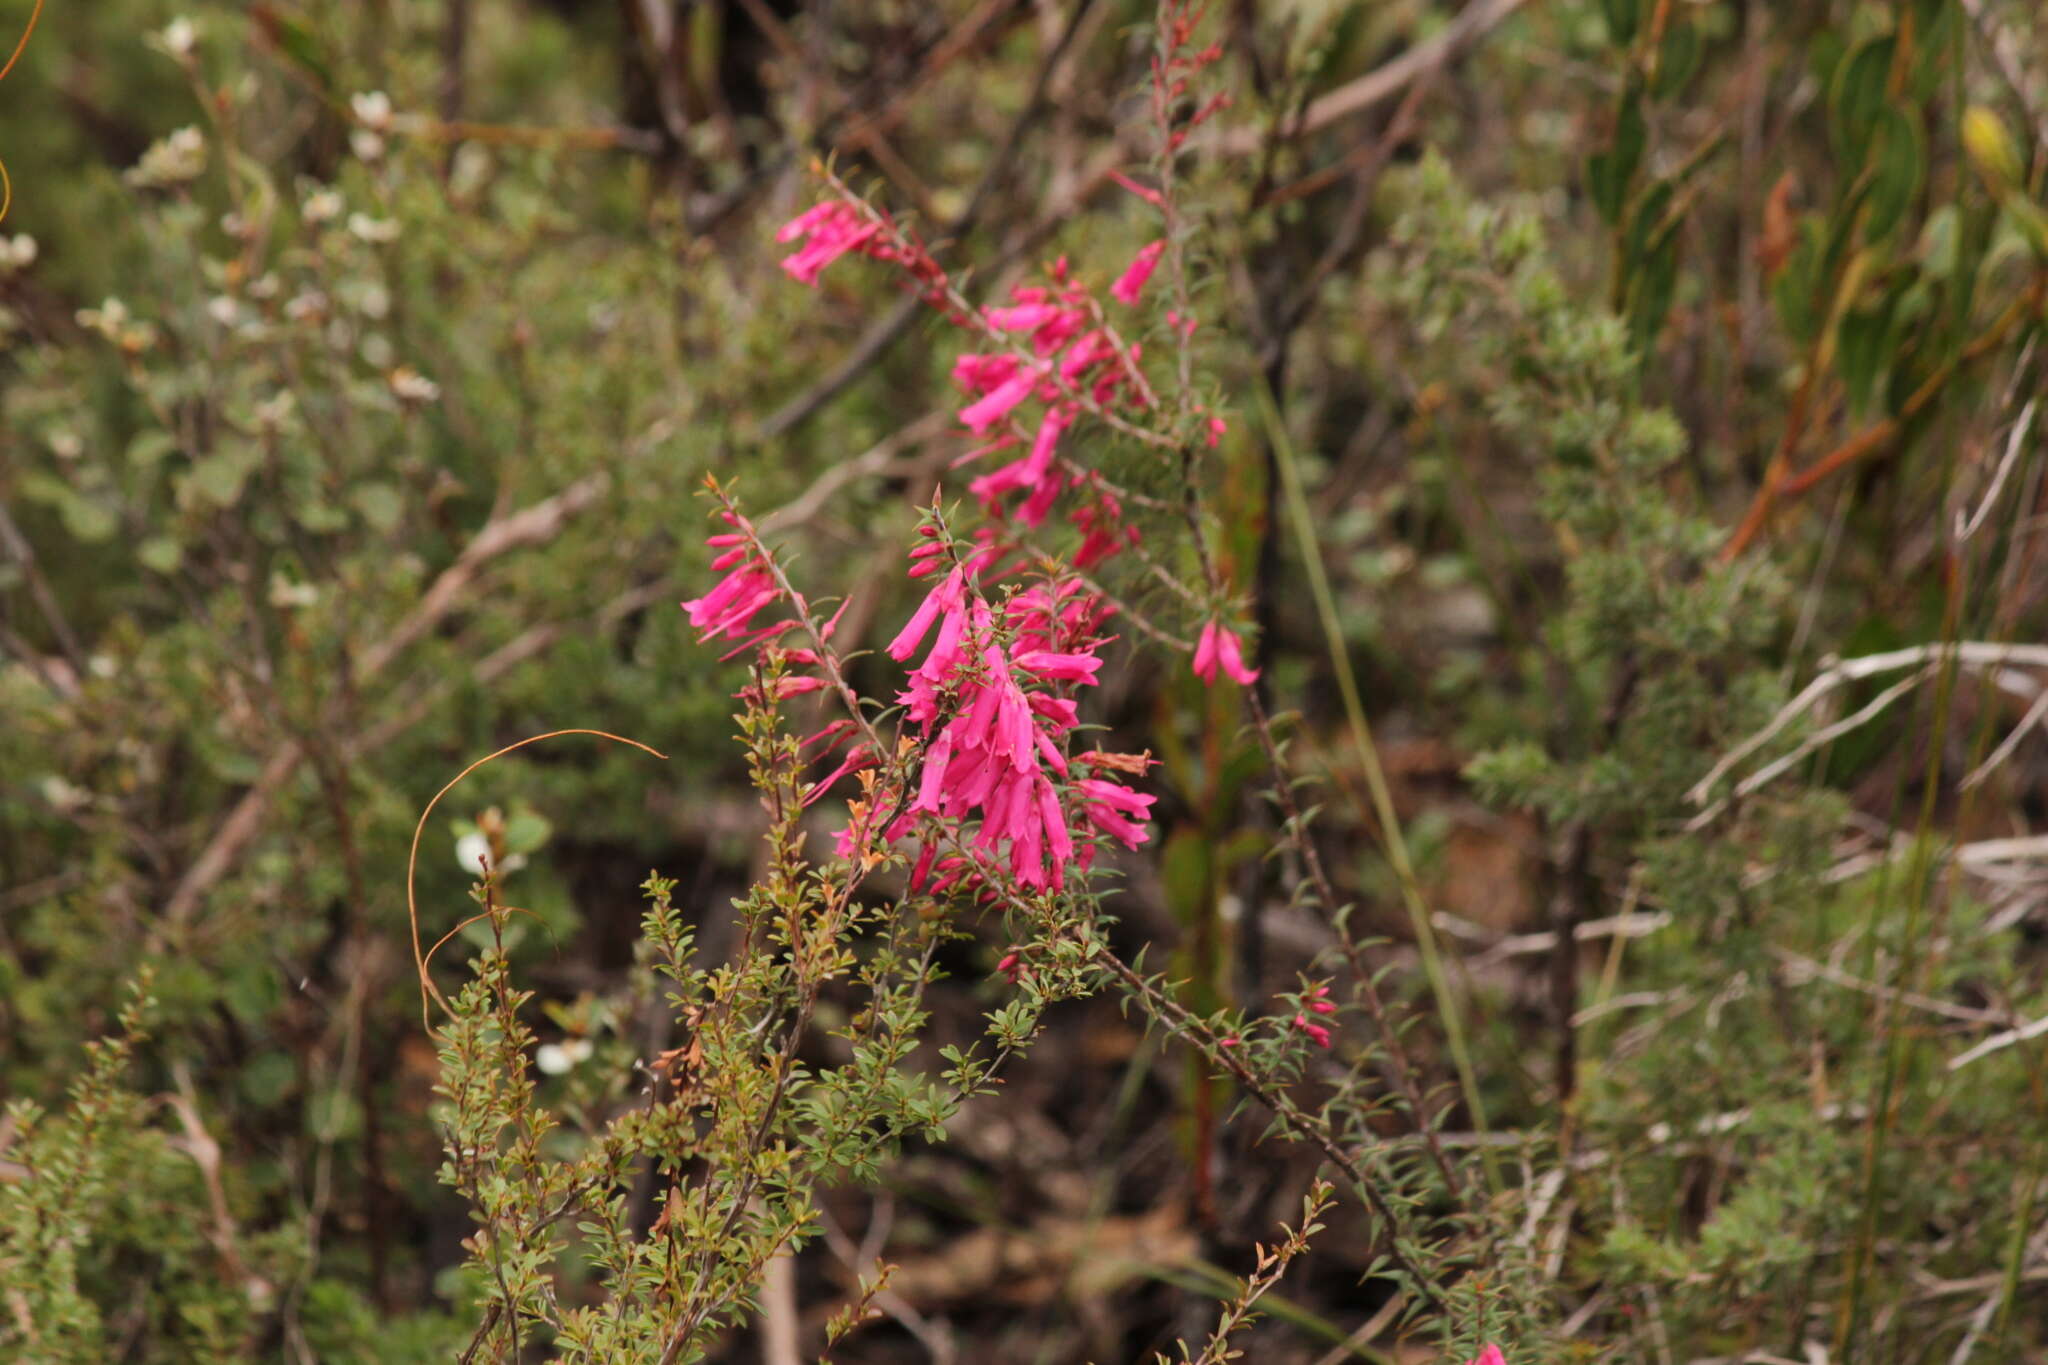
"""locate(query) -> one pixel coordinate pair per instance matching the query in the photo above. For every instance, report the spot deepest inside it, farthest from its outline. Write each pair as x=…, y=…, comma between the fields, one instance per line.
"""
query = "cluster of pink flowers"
x=748, y=586
x=986, y=700
x=835, y=227
x=1316, y=1002
x=991, y=700
x=1219, y=648
x=1058, y=349
x=1059, y=354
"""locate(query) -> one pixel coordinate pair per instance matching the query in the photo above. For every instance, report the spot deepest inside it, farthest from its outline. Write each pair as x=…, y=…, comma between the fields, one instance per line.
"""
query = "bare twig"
x=1973, y=654
x=1383, y=82
x=1967, y=527
x=24, y=556
x=532, y=526
x=1998, y=1042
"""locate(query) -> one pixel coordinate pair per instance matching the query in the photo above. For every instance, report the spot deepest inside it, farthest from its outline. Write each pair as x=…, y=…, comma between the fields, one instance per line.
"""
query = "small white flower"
x=110, y=319
x=17, y=252
x=472, y=851
x=372, y=109
x=554, y=1059
x=285, y=594
x=65, y=444
x=311, y=304
x=223, y=310
x=374, y=302
x=375, y=230
x=471, y=169
x=273, y=411
x=265, y=286
x=367, y=146
x=62, y=795
x=170, y=161
x=411, y=386
x=323, y=206
x=179, y=37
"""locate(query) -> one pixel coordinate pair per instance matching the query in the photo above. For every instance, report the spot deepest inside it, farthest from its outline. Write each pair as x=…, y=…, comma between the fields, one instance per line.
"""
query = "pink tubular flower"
x=993, y=406
x=747, y=587
x=1152, y=197
x=1490, y=1356
x=1132, y=282
x=829, y=230
x=1230, y=656
x=856, y=758
x=1115, y=809
x=1218, y=649
x=1320, y=1034
x=1036, y=472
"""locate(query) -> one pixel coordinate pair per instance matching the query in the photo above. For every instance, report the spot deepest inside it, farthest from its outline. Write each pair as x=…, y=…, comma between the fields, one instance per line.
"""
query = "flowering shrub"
x=1262, y=761
x=969, y=781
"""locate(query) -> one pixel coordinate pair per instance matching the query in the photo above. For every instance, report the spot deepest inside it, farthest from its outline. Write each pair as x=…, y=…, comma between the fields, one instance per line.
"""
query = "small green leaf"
x=1939, y=243
x=1793, y=290
x=526, y=831
x=1860, y=96
x=318, y=515
x=2030, y=222
x=1185, y=874
x=160, y=554
x=1650, y=292
x=218, y=478
x=1862, y=348
x=90, y=521
x=1609, y=172
x=1677, y=60
x=1622, y=17
x=1898, y=159
x=1824, y=56
x=1647, y=229
x=381, y=505
x=268, y=1078
x=1933, y=44
x=150, y=446
x=295, y=42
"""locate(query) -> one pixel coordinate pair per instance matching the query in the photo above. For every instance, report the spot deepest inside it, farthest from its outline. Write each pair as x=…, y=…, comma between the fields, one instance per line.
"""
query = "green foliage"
x=351, y=436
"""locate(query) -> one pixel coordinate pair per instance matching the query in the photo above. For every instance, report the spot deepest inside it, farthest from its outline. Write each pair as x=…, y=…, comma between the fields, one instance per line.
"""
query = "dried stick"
x=532, y=526
x=1968, y=654
x=1382, y=83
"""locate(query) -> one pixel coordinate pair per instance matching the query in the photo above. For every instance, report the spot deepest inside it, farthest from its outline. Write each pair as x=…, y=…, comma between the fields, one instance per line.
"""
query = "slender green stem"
x=1395, y=842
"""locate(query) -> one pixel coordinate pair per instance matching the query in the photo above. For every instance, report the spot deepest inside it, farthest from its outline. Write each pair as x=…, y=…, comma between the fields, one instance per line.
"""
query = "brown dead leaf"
x=1780, y=227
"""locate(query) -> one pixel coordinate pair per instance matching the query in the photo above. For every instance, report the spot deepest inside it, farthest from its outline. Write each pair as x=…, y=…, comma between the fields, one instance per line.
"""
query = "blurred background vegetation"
x=353, y=433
